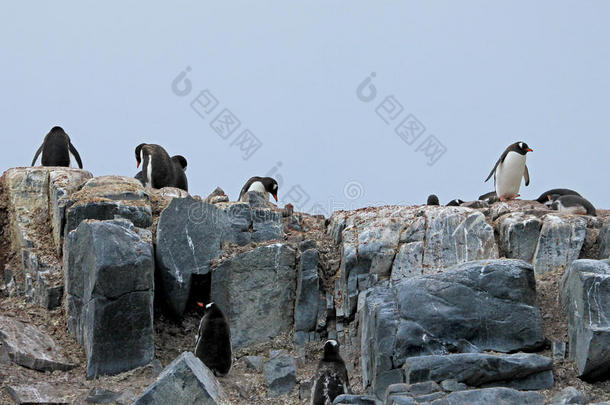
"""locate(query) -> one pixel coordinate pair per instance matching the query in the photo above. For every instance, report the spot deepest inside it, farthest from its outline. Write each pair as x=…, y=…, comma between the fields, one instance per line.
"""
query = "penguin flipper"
x=493, y=170
x=36, y=155
x=74, y=152
x=526, y=176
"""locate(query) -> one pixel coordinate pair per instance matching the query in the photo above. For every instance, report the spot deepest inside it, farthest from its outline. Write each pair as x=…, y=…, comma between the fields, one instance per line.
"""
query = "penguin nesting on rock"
x=331, y=378
x=56, y=149
x=158, y=169
x=455, y=203
x=572, y=204
x=264, y=185
x=432, y=200
x=509, y=170
x=213, y=346
x=544, y=197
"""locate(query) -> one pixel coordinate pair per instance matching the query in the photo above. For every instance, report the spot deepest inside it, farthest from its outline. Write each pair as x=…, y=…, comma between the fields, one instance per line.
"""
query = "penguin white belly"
x=259, y=187
x=509, y=174
x=575, y=209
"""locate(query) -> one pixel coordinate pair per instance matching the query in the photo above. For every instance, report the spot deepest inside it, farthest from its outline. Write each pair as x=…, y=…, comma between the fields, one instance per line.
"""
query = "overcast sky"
x=450, y=85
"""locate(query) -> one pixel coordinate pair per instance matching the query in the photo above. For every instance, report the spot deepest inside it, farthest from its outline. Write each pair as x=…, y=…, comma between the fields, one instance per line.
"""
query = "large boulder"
x=256, y=290
x=185, y=381
x=307, y=293
x=585, y=296
x=604, y=241
x=471, y=307
x=518, y=235
x=520, y=371
x=487, y=396
x=109, y=273
x=280, y=374
x=401, y=242
x=561, y=240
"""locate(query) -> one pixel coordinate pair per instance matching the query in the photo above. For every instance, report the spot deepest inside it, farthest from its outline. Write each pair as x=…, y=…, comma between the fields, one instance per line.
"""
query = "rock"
x=475, y=204
x=189, y=235
x=185, y=381
x=604, y=241
x=99, y=395
x=520, y=371
x=561, y=240
x=217, y=196
x=348, y=399
x=559, y=350
x=30, y=347
x=266, y=224
x=257, y=200
x=305, y=390
x=519, y=233
x=496, y=396
x=256, y=290
x=280, y=374
x=254, y=362
x=170, y=193
x=42, y=393
x=453, y=385
x=109, y=284
x=481, y=305
x=307, y=293
x=585, y=296
x=569, y=395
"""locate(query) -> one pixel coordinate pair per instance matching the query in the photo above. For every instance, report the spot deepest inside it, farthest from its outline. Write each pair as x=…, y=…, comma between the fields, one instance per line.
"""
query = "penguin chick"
x=432, y=200
x=180, y=180
x=331, y=379
x=572, y=204
x=544, y=197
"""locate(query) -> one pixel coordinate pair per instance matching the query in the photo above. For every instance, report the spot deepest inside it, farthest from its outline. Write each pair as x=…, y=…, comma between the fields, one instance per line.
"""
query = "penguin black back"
x=213, y=345
x=574, y=204
x=180, y=180
x=56, y=149
x=260, y=184
x=455, y=203
x=331, y=379
x=432, y=200
x=157, y=167
x=544, y=197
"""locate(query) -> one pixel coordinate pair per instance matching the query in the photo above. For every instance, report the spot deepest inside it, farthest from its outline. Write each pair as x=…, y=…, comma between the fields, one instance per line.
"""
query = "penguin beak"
x=530, y=150
x=200, y=304
x=275, y=196
x=138, y=165
x=549, y=197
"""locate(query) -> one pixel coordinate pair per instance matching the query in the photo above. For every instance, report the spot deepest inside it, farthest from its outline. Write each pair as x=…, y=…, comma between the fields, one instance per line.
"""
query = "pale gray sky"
x=478, y=75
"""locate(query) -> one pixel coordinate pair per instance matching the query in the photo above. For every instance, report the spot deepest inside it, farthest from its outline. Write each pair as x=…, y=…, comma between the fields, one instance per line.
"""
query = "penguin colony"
x=213, y=341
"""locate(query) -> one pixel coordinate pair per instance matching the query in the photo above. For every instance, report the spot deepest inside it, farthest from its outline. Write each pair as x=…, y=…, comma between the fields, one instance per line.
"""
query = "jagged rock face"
x=585, y=295
x=560, y=243
x=307, y=296
x=483, y=305
x=604, y=241
x=256, y=290
x=185, y=381
x=280, y=374
x=109, y=273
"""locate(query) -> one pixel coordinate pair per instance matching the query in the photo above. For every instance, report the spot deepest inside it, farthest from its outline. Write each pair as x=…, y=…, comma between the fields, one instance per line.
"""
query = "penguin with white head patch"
x=56, y=149
x=331, y=378
x=263, y=185
x=509, y=170
x=572, y=204
x=213, y=346
x=544, y=197
x=455, y=203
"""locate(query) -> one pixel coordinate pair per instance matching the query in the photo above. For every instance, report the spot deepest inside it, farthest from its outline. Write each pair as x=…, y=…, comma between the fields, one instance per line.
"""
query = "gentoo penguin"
x=432, y=200
x=544, y=197
x=56, y=149
x=572, y=204
x=213, y=346
x=157, y=167
x=455, y=203
x=179, y=172
x=509, y=170
x=262, y=185
x=489, y=198
x=140, y=176
x=331, y=378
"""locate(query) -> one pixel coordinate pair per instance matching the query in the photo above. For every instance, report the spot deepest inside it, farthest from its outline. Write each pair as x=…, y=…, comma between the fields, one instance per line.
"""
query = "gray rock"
x=99, y=395
x=519, y=233
x=256, y=290
x=42, y=393
x=348, y=399
x=496, y=396
x=453, y=385
x=280, y=374
x=482, y=305
x=521, y=371
x=189, y=235
x=585, y=296
x=561, y=240
x=254, y=362
x=305, y=390
x=109, y=283
x=477, y=204
x=604, y=241
x=217, y=196
x=569, y=395
x=185, y=381
x=266, y=225
x=559, y=350
x=307, y=293
x=30, y=347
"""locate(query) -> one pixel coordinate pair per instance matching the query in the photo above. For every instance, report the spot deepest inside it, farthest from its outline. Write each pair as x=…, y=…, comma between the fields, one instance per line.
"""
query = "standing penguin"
x=213, y=346
x=157, y=167
x=179, y=172
x=509, y=170
x=331, y=378
x=262, y=185
x=56, y=149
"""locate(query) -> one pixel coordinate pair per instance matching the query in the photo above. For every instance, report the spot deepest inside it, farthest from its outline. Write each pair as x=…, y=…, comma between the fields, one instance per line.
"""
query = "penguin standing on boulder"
x=331, y=378
x=158, y=169
x=572, y=204
x=56, y=149
x=509, y=170
x=213, y=346
x=264, y=185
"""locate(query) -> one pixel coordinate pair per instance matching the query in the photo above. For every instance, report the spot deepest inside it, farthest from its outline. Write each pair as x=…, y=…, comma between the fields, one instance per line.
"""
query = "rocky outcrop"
x=561, y=240
x=482, y=305
x=256, y=290
x=307, y=294
x=585, y=295
x=604, y=241
x=109, y=274
x=280, y=373
x=185, y=381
